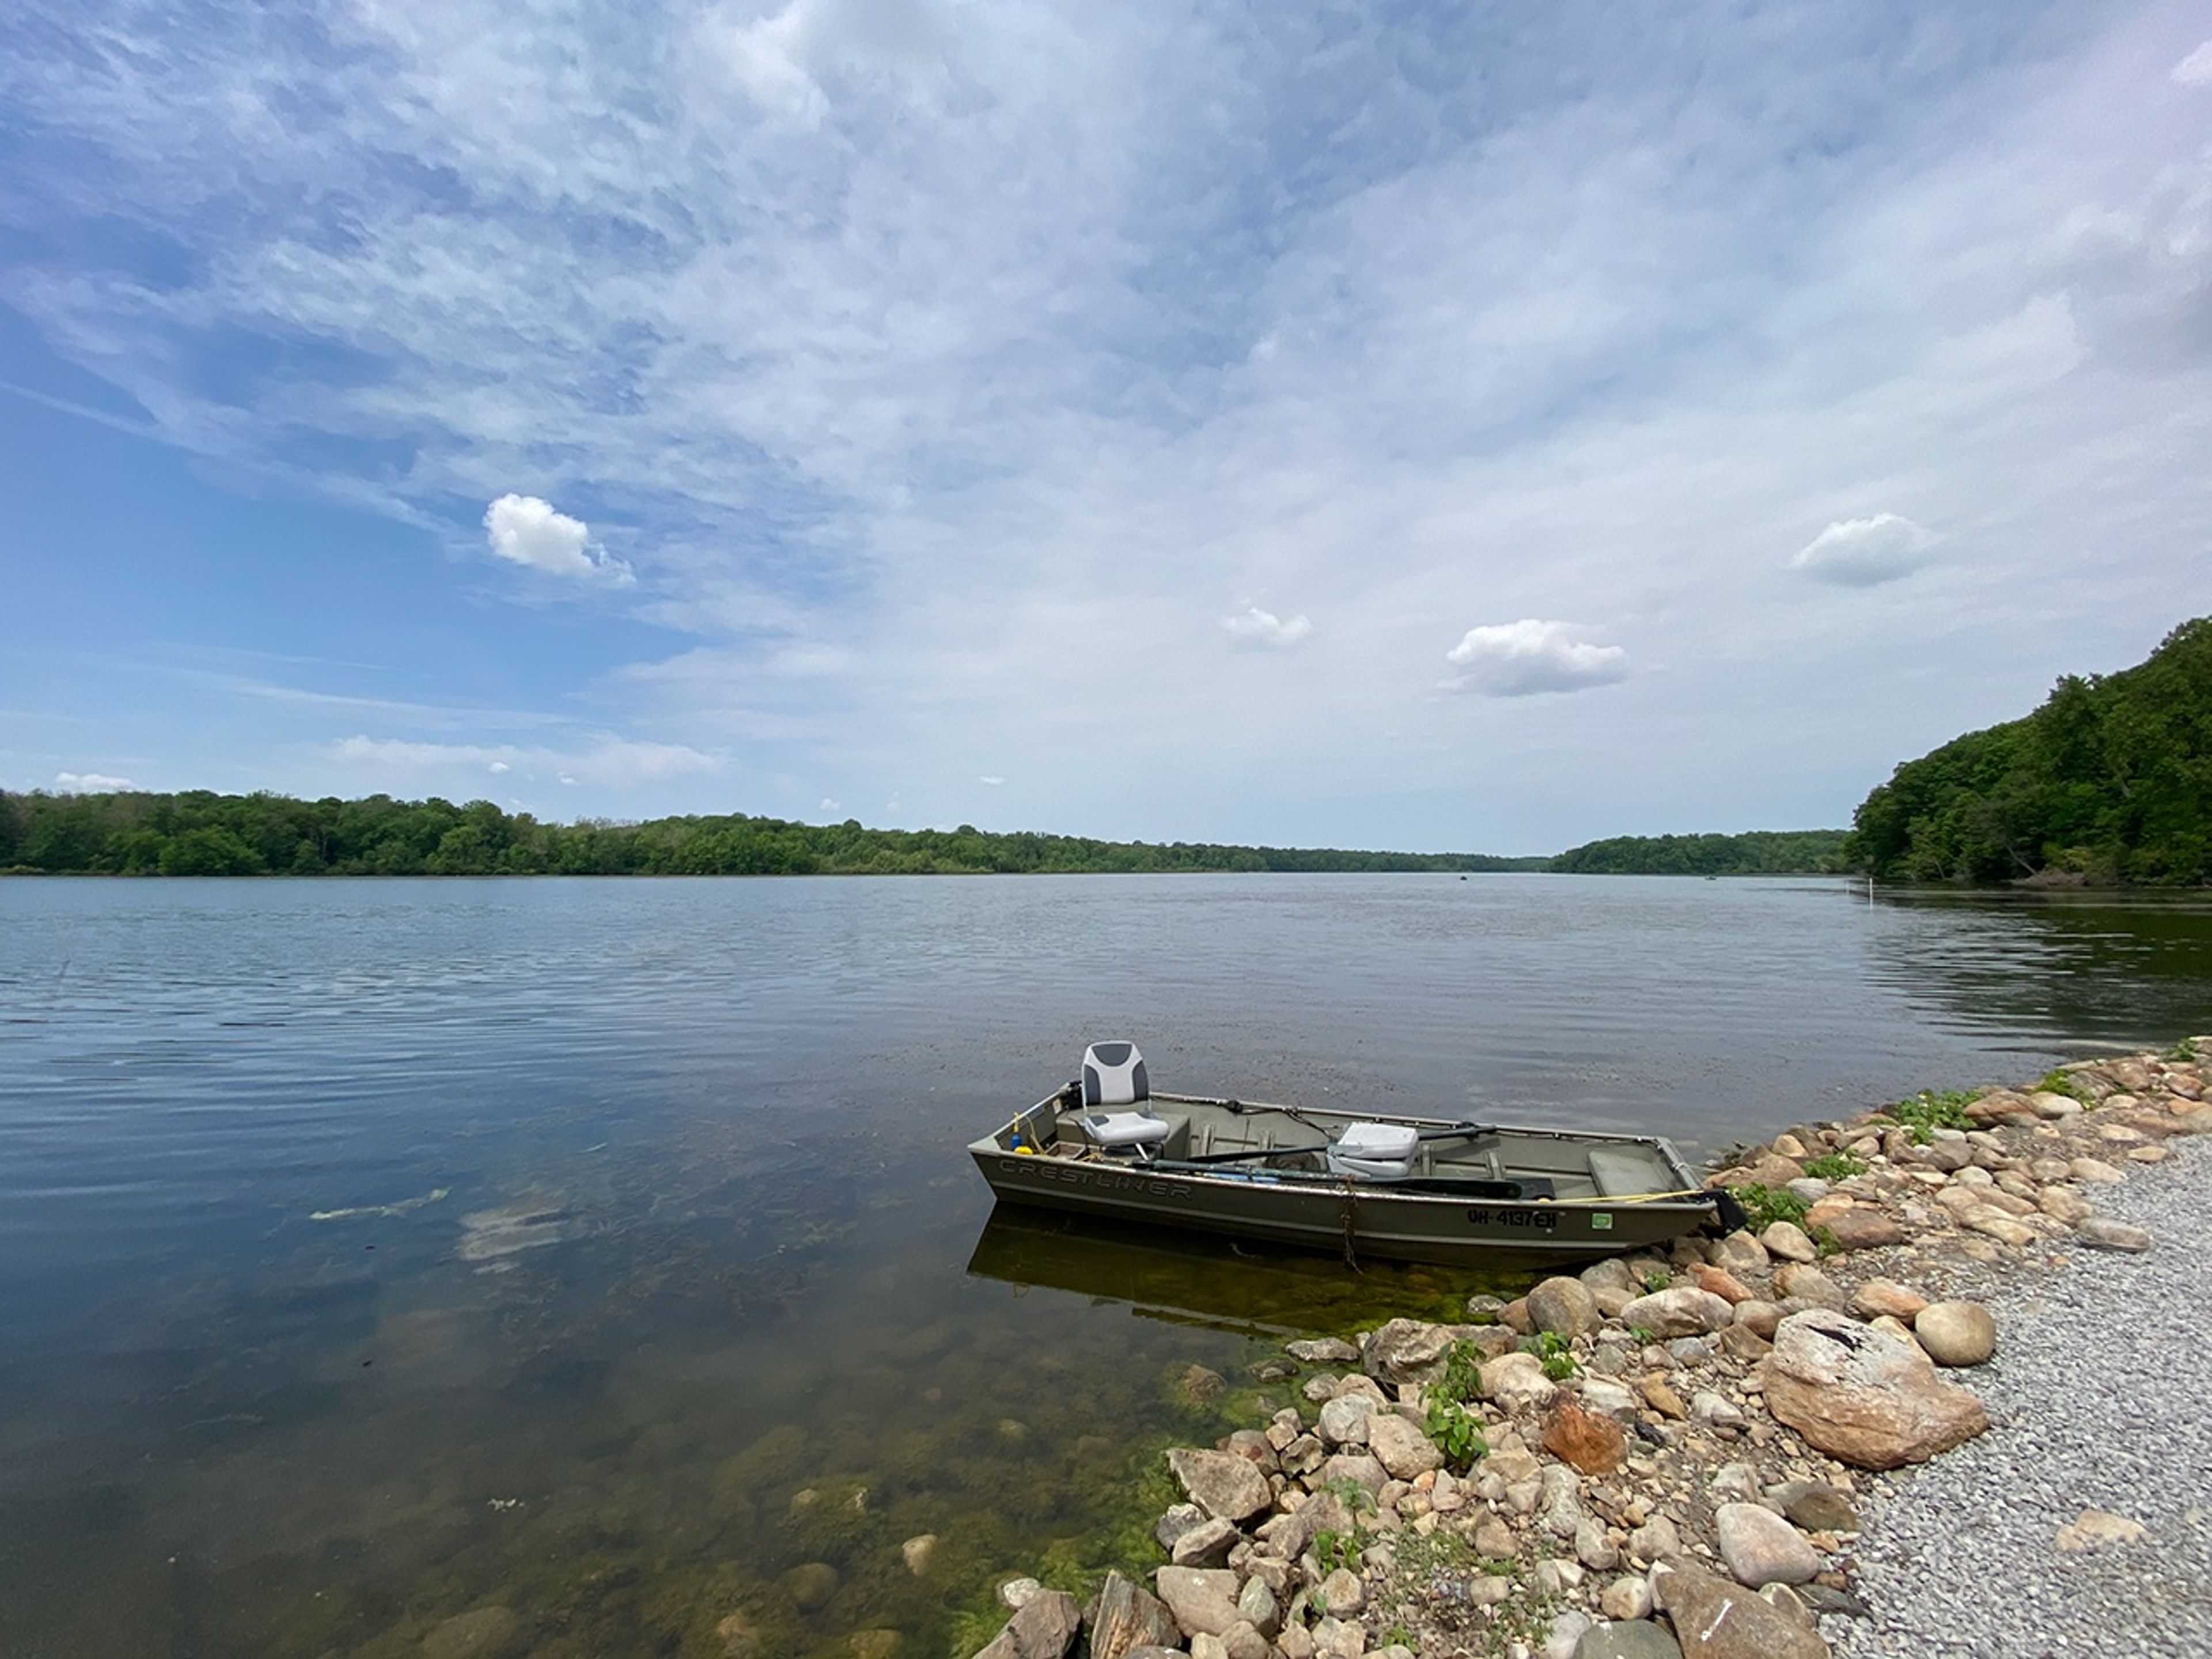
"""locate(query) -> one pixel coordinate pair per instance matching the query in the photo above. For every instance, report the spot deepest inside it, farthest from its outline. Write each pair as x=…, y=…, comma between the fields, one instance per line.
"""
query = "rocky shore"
x=1688, y=1456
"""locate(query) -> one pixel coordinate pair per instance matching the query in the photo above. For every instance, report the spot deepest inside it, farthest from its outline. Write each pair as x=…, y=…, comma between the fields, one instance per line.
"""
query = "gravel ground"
x=2100, y=1397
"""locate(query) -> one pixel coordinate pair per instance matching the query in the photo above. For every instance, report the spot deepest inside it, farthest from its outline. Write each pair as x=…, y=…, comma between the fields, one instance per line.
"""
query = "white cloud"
x=1522, y=658
x=1265, y=628
x=830, y=805
x=1865, y=552
x=608, y=762
x=993, y=782
x=527, y=530
x=2196, y=70
x=90, y=783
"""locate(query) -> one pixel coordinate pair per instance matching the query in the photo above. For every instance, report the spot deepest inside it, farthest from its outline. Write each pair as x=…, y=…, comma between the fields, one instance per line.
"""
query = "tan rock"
x=1863, y=1397
x=1516, y=1381
x=1129, y=1616
x=1221, y=1483
x=1956, y=1333
x=1996, y=1223
x=1679, y=1311
x=1758, y=1317
x=1864, y=1228
x=1788, y=1240
x=1044, y=1628
x=2096, y=1529
x=1722, y=1283
x=1806, y=1282
x=1659, y=1395
x=1761, y=1547
x=1401, y=1449
x=1563, y=1305
x=1882, y=1295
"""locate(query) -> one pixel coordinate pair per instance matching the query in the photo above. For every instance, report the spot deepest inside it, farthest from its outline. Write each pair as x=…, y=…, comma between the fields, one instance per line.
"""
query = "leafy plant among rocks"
x=1765, y=1205
x=1835, y=1166
x=1452, y=1423
x=1932, y=1109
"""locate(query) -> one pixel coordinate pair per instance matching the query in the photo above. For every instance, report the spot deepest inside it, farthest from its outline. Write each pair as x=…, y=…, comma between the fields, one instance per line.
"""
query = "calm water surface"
x=371, y=1252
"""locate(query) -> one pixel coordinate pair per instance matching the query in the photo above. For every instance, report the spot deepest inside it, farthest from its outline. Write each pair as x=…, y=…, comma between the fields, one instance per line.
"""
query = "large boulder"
x=1679, y=1311
x=1221, y=1483
x=1044, y=1629
x=1565, y=1306
x=1125, y=1616
x=1716, y=1619
x=1864, y=1228
x=1862, y=1396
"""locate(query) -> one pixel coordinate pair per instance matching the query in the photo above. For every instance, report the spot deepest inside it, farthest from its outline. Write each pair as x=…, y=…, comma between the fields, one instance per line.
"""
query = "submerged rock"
x=480, y=1633
x=1221, y=1483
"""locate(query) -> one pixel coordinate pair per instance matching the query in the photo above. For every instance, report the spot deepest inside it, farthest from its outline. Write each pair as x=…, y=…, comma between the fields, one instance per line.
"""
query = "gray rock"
x=1322, y=1351
x=1256, y=1603
x=1405, y=1453
x=1564, y=1639
x=1679, y=1311
x=1342, y=1594
x=1203, y=1600
x=2106, y=1234
x=1565, y=1306
x=1632, y=1639
x=1610, y=1274
x=1206, y=1545
x=1761, y=1547
x=1175, y=1522
x=810, y=1584
x=1344, y=1420
x=1221, y=1483
x=1126, y=1617
x=1358, y=1467
x=1516, y=1381
x=1716, y=1619
x=1627, y=1598
x=1816, y=1506
x=1406, y=1351
x=1044, y=1629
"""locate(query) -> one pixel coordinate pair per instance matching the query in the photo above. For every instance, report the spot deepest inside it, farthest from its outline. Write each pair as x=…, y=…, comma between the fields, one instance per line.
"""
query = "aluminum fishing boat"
x=1389, y=1185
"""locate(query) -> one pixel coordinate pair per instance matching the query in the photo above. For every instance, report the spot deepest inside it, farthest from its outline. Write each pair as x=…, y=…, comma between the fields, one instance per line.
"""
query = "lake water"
x=375, y=1251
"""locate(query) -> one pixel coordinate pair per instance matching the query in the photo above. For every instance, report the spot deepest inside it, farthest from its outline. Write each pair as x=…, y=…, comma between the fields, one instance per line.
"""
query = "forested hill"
x=2110, y=779
x=202, y=834
x=1755, y=853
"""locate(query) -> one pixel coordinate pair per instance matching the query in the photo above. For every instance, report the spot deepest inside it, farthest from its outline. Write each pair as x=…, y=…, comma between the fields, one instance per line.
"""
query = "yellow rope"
x=1630, y=1198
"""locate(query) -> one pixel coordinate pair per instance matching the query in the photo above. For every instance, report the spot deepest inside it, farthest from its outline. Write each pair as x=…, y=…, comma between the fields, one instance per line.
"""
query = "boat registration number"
x=1543, y=1221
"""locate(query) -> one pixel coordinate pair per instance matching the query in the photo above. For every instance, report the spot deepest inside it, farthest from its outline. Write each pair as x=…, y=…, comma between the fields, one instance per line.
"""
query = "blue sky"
x=1483, y=428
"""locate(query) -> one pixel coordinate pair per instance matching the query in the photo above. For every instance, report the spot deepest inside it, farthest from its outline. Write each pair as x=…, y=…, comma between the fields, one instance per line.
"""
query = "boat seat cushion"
x=1375, y=1152
x=1619, y=1173
x=1140, y=1128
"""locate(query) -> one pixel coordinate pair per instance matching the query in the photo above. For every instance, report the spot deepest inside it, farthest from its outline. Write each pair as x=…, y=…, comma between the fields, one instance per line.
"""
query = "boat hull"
x=1341, y=1217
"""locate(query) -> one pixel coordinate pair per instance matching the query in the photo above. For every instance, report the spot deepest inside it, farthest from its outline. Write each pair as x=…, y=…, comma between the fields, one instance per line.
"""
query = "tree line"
x=200, y=833
x=1754, y=853
x=2109, y=781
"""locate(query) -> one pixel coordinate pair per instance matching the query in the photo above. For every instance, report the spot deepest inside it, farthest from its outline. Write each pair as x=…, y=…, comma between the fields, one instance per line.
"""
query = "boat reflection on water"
x=1202, y=1279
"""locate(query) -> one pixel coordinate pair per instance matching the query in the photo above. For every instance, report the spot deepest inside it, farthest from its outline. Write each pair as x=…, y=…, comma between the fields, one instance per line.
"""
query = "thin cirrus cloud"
x=609, y=762
x=1865, y=552
x=1434, y=318
x=524, y=530
x=1254, y=626
x=1529, y=657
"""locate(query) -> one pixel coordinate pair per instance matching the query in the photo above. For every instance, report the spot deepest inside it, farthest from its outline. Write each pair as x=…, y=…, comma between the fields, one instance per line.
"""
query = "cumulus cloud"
x=1865, y=552
x=498, y=767
x=829, y=805
x=526, y=530
x=1265, y=628
x=90, y=783
x=2196, y=70
x=987, y=778
x=1522, y=658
